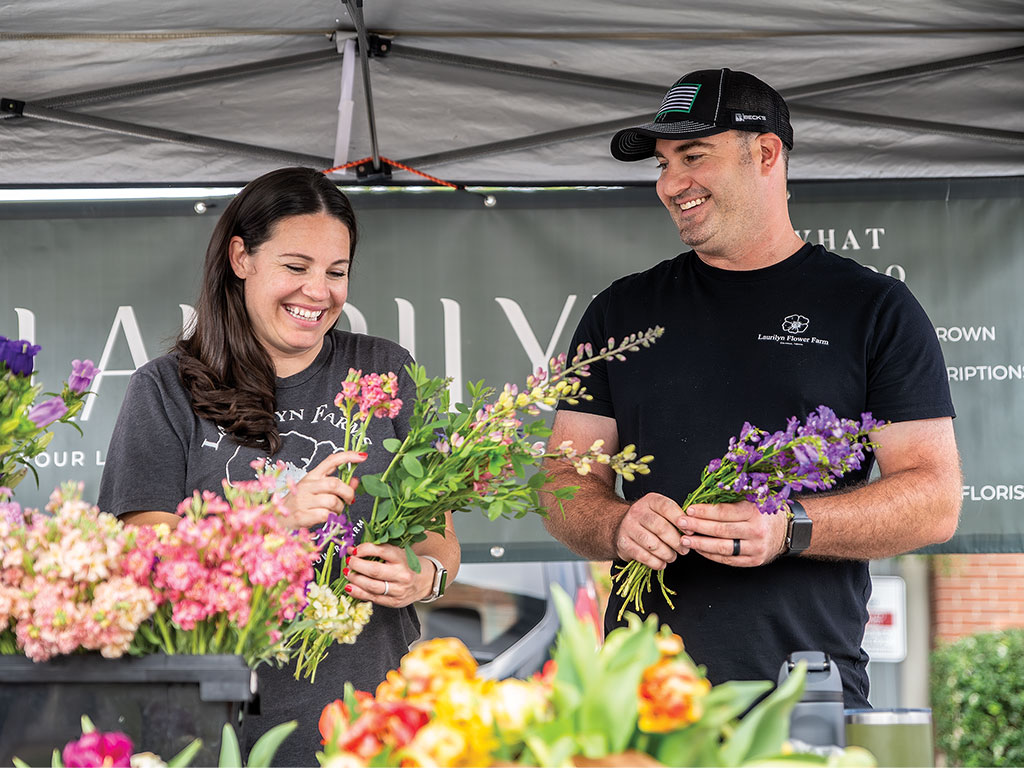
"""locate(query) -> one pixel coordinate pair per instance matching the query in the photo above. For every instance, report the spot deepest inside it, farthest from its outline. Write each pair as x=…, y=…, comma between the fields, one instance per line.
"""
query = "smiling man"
x=759, y=327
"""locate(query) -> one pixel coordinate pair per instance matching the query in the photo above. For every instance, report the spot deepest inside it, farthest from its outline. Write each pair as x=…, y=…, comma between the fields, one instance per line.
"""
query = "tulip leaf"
x=764, y=729
x=230, y=754
x=186, y=755
x=262, y=753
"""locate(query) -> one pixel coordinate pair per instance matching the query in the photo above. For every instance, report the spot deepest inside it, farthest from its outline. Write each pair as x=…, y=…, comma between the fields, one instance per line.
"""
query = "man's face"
x=712, y=190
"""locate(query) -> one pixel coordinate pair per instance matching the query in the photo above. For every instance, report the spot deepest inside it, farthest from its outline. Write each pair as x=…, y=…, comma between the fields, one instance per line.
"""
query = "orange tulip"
x=671, y=695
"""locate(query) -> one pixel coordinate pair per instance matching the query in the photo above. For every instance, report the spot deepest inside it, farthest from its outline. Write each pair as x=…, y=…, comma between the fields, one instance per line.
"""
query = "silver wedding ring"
x=735, y=549
x=388, y=586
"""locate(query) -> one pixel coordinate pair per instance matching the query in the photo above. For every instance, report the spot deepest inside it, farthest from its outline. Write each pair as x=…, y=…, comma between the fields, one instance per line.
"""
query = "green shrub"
x=977, y=688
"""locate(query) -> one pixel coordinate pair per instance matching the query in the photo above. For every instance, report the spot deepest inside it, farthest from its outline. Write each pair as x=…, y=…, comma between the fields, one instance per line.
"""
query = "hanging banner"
x=491, y=293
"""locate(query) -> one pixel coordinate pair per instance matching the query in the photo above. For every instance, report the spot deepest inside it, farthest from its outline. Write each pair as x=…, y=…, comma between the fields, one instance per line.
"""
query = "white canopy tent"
x=188, y=92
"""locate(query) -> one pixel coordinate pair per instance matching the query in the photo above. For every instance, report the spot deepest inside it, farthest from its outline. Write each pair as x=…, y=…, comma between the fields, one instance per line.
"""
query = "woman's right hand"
x=321, y=492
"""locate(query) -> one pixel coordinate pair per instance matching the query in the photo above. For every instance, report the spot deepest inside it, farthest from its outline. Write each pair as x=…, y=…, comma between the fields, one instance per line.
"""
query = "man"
x=759, y=326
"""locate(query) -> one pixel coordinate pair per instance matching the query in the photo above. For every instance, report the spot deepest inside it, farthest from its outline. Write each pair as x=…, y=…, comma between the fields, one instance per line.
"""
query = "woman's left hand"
x=380, y=573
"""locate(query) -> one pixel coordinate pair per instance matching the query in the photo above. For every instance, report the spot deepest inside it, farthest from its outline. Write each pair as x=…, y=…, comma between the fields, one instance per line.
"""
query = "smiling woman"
x=296, y=284
x=257, y=379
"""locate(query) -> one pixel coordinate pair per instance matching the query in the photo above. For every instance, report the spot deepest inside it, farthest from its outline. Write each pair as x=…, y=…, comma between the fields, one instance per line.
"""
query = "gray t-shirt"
x=160, y=452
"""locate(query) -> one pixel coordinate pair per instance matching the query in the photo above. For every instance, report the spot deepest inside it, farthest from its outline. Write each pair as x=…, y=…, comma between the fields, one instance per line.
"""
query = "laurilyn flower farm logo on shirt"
x=794, y=334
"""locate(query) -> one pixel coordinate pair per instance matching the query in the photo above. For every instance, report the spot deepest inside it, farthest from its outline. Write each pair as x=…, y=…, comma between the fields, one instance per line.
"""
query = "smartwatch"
x=798, y=529
x=440, y=579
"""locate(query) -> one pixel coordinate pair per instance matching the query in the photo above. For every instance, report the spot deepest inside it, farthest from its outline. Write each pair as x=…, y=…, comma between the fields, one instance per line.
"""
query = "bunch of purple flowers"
x=24, y=423
x=765, y=469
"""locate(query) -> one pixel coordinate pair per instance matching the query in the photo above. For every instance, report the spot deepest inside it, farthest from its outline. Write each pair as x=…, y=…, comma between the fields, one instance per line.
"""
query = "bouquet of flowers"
x=765, y=469
x=475, y=456
x=66, y=580
x=638, y=696
x=24, y=423
x=227, y=580
x=228, y=577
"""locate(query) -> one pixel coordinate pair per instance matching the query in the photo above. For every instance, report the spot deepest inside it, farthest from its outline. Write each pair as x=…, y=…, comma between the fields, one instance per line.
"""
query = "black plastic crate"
x=161, y=702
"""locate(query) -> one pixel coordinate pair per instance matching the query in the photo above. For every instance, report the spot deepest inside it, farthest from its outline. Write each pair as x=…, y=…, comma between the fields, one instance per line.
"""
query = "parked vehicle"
x=504, y=612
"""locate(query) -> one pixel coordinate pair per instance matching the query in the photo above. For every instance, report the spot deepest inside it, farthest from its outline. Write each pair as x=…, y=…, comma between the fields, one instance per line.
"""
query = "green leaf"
x=19, y=763
x=412, y=559
x=537, y=480
x=55, y=761
x=186, y=755
x=87, y=725
x=373, y=486
x=762, y=732
x=262, y=753
x=230, y=755
x=390, y=444
x=412, y=466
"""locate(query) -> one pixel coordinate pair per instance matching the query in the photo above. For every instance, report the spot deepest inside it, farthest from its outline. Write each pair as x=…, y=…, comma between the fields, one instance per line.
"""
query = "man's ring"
x=735, y=553
x=388, y=586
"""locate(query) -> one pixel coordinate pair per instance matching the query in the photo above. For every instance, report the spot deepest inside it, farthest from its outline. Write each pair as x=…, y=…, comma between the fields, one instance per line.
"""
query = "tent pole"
x=901, y=73
x=522, y=70
x=346, y=106
x=161, y=134
x=183, y=81
x=907, y=124
x=356, y=14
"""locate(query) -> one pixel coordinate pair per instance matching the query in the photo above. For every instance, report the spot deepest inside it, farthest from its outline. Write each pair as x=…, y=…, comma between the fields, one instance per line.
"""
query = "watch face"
x=800, y=539
x=442, y=582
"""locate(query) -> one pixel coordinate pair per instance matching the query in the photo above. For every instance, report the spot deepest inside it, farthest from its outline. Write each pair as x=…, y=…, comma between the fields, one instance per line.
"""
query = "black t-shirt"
x=759, y=346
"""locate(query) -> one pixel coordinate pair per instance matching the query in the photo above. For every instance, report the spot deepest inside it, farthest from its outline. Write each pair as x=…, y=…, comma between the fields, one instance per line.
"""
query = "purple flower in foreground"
x=82, y=374
x=18, y=356
x=47, y=412
x=337, y=530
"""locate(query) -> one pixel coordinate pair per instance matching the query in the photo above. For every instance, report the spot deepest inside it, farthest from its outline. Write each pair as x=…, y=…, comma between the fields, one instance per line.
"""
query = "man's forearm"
x=587, y=523
x=890, y=516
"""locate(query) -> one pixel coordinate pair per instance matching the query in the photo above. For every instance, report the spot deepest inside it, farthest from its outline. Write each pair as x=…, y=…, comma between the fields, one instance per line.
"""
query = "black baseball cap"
x=704, y=103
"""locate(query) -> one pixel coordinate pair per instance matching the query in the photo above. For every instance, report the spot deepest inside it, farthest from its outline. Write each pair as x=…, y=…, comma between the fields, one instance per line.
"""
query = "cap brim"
x=638, y=143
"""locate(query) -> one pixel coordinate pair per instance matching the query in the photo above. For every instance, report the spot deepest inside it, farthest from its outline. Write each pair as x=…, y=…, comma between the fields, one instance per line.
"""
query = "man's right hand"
x=646, y=533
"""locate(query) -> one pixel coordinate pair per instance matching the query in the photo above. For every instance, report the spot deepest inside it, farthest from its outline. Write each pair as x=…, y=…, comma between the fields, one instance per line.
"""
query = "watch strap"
x=440, y=579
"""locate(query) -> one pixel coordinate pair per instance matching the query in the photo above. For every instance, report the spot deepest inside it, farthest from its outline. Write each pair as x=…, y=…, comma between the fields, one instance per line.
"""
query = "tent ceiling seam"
x=691, y=35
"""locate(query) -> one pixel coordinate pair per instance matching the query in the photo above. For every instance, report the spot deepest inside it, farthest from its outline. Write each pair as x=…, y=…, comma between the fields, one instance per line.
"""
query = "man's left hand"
x=717, y=531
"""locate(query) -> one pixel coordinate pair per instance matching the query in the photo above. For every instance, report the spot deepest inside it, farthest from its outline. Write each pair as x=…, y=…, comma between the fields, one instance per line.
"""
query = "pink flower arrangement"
x=229, y=576
x=228, y=579
x=65, y=582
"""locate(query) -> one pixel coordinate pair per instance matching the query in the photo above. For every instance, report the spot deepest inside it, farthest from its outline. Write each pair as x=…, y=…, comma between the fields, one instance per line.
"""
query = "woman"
x=258, y=378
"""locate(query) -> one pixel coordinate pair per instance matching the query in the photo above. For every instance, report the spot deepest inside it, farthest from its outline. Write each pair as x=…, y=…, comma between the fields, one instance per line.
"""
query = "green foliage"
x=977, y=686
x=596, y=715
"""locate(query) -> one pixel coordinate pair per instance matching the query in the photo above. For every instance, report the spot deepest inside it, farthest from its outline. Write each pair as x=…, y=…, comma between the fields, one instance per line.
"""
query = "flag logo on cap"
x=678, y=99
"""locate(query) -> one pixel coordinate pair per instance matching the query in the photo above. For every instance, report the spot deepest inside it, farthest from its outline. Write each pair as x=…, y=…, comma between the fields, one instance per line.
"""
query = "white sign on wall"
x=885, y=635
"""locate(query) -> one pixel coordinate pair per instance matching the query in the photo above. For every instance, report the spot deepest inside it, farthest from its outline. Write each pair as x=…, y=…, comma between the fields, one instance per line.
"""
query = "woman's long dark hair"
x=229, y=377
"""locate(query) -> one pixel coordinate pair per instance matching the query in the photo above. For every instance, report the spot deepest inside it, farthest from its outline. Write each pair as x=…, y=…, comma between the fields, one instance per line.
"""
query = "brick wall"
x=976, y=593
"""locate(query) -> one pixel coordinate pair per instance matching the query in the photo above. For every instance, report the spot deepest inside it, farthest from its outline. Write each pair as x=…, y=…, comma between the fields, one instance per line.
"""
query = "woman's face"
x=296, y=284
